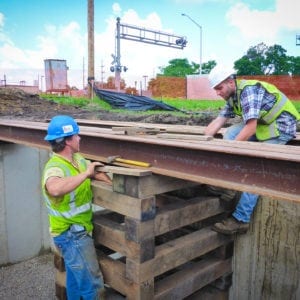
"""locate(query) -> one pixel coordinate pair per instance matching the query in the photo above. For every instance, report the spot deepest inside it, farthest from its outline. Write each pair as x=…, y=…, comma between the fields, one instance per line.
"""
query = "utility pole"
x=102, y=74
x=145, y=78
x=91, y=63
x=83, y=79
x=118, y=68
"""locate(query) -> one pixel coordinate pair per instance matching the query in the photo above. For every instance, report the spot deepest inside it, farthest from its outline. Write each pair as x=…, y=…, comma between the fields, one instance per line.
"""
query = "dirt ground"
x=17, y=104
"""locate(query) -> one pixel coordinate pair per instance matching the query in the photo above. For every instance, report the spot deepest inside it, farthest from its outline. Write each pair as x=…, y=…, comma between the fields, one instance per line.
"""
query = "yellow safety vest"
x=72, y=208
x=266, y=126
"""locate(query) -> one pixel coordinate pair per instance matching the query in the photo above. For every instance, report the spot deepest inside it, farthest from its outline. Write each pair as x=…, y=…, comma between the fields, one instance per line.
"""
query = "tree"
x=276, y=61
x=208, y=66
x=252, y=63
x=261, y=59
x=181, y=67
x=294, y=65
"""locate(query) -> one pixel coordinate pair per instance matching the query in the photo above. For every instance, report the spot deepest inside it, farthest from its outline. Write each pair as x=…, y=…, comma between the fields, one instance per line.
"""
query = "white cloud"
x=116, y=8
x=253, y=24
x=264, y=25
x=288, y=14
x=70, y=43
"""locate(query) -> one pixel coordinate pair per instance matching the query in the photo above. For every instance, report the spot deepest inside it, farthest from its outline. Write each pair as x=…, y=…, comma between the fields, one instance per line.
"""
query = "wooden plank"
x=193, y=137
x=138, y=231
x=60, y=292
x=142, y=187
x=114, y=275
x=59, y=262
x=177, y=215
x=112, y=235
x=141, y=209
x=174, y=253
x=123, y=171
x=209, y=293
x=191, y=279
x=60, y=278
x=133, y=130
x=143, y=234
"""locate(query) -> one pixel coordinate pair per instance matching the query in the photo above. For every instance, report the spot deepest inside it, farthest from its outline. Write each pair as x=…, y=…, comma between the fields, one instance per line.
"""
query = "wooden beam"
x=191, y=279
x=142, y=187
x=177, y=215
x=174, y=253
x=141, y=209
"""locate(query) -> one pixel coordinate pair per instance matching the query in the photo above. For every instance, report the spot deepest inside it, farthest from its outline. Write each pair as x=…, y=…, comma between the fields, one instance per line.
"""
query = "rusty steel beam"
x=269, y=170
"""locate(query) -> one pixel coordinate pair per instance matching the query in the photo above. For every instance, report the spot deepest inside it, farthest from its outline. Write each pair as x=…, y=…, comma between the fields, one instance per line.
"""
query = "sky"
x=34, y=30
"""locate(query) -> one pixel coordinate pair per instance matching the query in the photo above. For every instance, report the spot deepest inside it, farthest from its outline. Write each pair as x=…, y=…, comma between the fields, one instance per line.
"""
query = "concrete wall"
x=23, y=218
x=267, y=259
x=266, y=263
x=198, y=87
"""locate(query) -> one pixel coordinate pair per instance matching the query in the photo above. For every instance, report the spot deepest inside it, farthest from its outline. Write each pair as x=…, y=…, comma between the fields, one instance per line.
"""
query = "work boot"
x=229, y=198
x=231, y=226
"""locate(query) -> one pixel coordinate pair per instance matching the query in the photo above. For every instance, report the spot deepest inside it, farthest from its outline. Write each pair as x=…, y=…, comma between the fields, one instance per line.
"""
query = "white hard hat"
x=218, y=75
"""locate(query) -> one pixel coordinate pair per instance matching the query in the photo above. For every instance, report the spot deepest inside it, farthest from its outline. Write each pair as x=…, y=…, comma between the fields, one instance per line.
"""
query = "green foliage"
x=85, y=103
x=182, y=67
x=261, y=59
x=185, y=105
x=208, y=66
x=179, y=68
x=194, y=105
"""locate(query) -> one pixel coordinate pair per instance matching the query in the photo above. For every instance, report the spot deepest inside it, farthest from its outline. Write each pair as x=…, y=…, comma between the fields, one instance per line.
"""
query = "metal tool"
x=117, y=158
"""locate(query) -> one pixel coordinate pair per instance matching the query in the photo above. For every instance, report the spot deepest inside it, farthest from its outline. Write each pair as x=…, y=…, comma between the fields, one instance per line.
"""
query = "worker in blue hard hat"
x=66, y=186
x=267, y=116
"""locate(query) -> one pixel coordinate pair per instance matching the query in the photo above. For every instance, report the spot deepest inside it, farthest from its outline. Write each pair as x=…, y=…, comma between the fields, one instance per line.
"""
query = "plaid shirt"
x=255, y=98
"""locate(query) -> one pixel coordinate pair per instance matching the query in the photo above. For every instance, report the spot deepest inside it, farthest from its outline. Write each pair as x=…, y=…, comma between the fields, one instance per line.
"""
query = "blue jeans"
x=83, y=276
x=247, y=202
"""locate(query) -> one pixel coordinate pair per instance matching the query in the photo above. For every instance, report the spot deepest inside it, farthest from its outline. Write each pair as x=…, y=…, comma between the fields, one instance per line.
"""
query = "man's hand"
x=214, y=126
x=90, y=171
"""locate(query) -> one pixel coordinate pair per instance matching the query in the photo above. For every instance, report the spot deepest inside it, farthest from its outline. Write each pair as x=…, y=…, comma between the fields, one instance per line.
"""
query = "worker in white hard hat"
x=267, y=116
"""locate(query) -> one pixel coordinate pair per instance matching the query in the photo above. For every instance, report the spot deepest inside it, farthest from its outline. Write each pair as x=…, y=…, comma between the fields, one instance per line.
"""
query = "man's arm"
x=248, y=130
x=59, y=186
x=214, y=126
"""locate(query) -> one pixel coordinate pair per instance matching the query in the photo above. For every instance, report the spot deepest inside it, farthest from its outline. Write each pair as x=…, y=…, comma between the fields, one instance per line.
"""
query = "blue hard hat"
x=60, y=127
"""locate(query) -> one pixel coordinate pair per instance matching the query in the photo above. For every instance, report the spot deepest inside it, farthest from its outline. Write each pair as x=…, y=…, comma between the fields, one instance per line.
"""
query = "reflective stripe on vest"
x=275, y=110
x=267, y=127
x=73, y=210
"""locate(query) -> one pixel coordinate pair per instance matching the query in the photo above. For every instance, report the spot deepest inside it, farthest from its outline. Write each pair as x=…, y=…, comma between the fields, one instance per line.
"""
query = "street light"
x=200, y=28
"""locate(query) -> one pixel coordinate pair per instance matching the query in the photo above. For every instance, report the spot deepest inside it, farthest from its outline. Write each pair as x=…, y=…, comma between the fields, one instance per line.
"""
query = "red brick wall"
x=289, y=85
x=197, y=86
x=26, y=88
x=173, y=87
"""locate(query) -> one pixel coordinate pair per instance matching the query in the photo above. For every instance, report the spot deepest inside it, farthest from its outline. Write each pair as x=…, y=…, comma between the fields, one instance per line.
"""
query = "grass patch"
x=185, y=105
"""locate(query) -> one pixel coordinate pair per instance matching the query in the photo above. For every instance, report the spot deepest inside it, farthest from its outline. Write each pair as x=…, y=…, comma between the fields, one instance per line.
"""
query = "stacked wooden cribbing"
x=154, y=240
x=155, y=244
